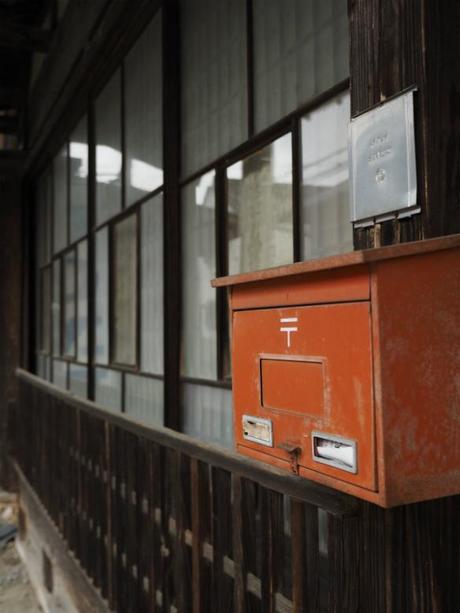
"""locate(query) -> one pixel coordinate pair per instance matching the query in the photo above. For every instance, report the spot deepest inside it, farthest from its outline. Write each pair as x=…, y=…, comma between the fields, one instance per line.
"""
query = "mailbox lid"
x=306, y=372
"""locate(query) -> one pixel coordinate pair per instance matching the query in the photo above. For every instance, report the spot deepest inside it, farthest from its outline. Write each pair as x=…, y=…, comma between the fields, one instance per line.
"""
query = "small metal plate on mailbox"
x=382, y=159
x=258, y=430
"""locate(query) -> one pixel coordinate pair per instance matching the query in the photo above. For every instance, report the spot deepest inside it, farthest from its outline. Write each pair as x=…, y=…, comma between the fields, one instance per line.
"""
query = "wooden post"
x=395, y=45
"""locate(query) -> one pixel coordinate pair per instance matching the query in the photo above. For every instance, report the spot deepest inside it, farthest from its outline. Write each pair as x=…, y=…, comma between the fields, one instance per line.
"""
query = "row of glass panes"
x=299, y=49
x=62, y=192
x=64, y=299
x=117, y=343
x=260, y=220
x=142, y=398
x=140, y=79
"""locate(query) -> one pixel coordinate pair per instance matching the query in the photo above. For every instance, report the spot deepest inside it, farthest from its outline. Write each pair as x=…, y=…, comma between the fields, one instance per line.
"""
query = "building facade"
x=167, y=143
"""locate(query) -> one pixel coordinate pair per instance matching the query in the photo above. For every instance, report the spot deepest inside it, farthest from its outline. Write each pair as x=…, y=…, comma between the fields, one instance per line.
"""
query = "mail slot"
x=346, y=369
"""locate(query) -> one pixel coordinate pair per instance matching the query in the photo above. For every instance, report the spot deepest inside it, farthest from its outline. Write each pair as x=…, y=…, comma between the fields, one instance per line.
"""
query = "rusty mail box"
x=346, y=370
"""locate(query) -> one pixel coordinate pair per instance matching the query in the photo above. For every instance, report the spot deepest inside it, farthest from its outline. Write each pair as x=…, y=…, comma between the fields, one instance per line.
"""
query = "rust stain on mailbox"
x=346, y=369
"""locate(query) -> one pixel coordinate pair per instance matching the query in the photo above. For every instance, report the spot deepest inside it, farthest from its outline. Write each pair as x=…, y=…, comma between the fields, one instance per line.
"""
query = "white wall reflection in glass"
x=260, y=226
x=143, y=114
x=325, y=212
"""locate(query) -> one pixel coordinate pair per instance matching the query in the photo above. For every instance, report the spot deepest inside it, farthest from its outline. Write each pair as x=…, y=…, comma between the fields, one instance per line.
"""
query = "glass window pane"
x=143, y=114
x=82, y=306
x=108, y=150
x=102, y=297
x=78, y=158
x=300, y=50
x=213, y=80
x=60, y=200
x=43, y=366
x=44, y=209
x=152, y=285
x=325, y=211
x=144, y=399
x=56, y=307
x=124, y=295
x=207, y=413
x=46, y=309
x=78, y=380
x=60, y=373
x=198, y=268
x=260, y=226
x=108, y=388
x=69, y=303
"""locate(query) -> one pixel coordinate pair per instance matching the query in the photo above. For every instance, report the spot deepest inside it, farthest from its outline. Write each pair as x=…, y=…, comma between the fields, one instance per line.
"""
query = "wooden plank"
x=300, y=592
x=199, y=493
x=240, y=599
x=221, y=585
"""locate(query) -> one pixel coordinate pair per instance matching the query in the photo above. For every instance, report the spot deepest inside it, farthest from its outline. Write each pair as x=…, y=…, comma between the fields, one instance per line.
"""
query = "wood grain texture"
x=399, y=44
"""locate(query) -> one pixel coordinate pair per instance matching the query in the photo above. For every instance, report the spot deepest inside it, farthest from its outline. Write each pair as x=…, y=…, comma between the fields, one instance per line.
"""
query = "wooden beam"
x=24, y=38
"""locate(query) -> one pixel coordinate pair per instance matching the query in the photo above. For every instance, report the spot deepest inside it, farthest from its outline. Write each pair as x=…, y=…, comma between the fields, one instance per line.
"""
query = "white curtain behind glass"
x=60, y=200
x=300, y=50
x=143, y=114
x=102, y=297
x=108, y=388
x=213, y=80
x=82, y=306
x=198, y=268
x=78, y=380
x=144, y=399
x=152, y=324
x=108, y=149
x=207, y=413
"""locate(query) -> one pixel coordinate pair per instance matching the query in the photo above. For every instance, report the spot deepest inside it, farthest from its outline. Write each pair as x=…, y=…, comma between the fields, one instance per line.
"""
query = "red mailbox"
x=346, y=370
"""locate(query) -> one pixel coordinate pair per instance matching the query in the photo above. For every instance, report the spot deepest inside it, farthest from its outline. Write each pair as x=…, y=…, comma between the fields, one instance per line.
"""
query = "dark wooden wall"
x=396, y=44
x=10, y=305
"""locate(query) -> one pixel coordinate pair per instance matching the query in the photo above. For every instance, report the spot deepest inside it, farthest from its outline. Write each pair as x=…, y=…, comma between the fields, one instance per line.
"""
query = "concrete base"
x=58, y=580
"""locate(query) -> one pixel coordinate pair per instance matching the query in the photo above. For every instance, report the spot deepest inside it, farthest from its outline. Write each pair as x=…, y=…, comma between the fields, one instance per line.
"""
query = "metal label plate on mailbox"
x=382, y=159
x=258, y=430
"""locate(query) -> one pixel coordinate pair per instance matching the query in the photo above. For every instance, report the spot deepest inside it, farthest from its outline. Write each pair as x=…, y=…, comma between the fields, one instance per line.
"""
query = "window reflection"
x=145, y=177
x=108, y=162
x=325, y=214
x=260, y=208
x=78, y=157
x=143, y=114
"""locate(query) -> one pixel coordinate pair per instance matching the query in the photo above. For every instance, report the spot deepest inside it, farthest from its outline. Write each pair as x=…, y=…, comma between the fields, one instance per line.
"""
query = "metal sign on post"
x=382, y=161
